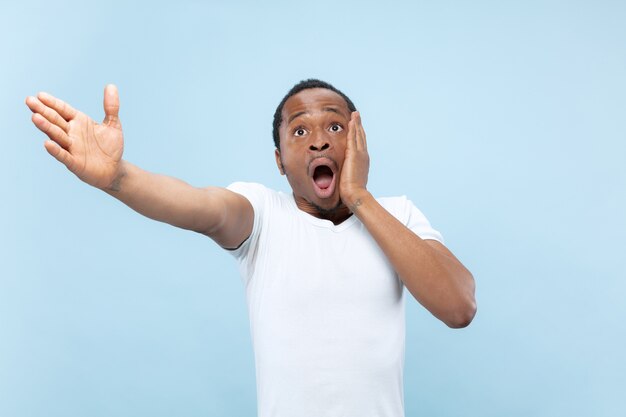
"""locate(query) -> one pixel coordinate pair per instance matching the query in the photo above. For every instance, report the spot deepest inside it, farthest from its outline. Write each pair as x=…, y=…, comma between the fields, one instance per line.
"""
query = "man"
x=324, y=267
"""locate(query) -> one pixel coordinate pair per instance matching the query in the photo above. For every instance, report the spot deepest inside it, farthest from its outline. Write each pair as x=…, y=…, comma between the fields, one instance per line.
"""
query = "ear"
x=279, y=163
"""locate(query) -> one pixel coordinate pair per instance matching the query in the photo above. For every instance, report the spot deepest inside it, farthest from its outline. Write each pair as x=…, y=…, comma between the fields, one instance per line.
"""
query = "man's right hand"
x=90, y=150
x=93, y=152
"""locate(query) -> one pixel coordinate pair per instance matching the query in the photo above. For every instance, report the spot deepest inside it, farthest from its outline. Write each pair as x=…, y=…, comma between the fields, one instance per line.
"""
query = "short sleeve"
x=420, y=225
x=404, y=210
x=256, y=195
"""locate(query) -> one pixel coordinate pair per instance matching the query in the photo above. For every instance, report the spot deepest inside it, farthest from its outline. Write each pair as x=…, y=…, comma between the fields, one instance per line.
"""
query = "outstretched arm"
x=432, y=274
x=93, y=152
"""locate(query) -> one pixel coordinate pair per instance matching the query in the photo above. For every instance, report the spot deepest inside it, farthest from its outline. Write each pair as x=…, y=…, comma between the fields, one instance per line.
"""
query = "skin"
x=93, y=152
x=316, y=124
x=431, y=273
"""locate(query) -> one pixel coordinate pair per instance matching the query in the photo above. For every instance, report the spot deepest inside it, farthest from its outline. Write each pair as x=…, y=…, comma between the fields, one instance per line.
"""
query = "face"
x=312, y=148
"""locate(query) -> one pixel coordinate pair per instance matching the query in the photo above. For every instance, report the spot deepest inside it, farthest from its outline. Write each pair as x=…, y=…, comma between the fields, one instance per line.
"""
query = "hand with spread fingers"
x=92, y=151
x=356, y=165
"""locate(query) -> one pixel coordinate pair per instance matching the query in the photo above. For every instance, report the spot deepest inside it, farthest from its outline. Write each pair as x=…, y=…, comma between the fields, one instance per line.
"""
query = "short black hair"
x=303, y=85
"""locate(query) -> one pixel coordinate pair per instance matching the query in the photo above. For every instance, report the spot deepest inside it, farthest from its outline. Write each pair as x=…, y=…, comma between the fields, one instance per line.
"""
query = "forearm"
x=164, y=198
x=435, y=278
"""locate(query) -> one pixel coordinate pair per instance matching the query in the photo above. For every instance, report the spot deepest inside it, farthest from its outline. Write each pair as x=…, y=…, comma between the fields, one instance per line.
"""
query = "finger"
x=65, y=110
x=53, y=131
x=357, y=131
x=111, y=105
x=59, y=153
x=350, y=140
x=361, y=135
x=36, y=106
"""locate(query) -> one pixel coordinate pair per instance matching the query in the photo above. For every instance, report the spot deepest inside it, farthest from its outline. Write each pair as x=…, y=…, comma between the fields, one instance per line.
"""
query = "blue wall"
x=503, y=121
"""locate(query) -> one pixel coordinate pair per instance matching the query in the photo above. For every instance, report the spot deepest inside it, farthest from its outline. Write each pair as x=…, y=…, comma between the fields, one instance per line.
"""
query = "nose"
x=320, y=148
x=319, y=143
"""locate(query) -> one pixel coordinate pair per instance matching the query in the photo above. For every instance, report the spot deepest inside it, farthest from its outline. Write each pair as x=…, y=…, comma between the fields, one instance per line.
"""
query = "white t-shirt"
x=326, y=310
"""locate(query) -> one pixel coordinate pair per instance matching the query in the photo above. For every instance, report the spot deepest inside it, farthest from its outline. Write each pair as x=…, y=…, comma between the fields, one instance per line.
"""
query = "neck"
x=337, y=214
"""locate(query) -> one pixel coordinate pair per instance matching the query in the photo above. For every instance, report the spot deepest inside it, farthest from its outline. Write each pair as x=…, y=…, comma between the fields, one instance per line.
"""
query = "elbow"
x=465, y=309
x=462, y=317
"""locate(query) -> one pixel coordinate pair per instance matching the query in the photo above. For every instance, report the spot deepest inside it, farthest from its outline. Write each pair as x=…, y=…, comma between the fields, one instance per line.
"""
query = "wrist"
x=355, y=199
x=116, y=183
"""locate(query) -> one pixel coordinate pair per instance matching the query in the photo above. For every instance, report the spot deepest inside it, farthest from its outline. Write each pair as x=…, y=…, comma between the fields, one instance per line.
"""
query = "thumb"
x=111, y=105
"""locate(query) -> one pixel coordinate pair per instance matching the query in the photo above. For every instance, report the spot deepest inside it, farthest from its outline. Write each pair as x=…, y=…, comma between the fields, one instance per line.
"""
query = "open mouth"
x=323, y=176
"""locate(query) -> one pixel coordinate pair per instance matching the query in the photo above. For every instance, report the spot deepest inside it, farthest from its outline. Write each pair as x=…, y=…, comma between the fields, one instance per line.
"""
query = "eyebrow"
x=332, y=109
x=300, y=113
x=295, y=115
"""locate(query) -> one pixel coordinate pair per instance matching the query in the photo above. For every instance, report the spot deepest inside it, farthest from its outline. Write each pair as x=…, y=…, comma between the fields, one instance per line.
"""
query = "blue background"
x=503, y=121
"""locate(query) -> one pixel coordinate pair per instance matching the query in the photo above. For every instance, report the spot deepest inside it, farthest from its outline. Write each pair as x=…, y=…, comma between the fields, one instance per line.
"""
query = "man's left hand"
x=356, y=165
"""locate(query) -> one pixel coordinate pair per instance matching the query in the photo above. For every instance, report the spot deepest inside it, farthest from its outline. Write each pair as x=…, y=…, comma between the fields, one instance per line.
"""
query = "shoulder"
x=398, y=206
x=263, y=199
x=256, y=193
x=408, y=214
x=248, y=187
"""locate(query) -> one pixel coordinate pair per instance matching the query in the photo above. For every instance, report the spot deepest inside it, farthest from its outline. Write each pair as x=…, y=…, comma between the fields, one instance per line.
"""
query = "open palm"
x=90, y=150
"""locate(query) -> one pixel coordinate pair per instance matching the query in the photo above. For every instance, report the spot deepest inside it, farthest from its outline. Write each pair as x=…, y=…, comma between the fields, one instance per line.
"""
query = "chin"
x=327, y=206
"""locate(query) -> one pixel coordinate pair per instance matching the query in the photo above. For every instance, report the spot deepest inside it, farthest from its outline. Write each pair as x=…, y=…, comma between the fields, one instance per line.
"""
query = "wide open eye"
x=300, y=131
x=336, y=128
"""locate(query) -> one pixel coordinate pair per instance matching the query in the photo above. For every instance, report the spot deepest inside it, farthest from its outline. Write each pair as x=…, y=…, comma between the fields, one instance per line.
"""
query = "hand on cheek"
x=355, y=168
